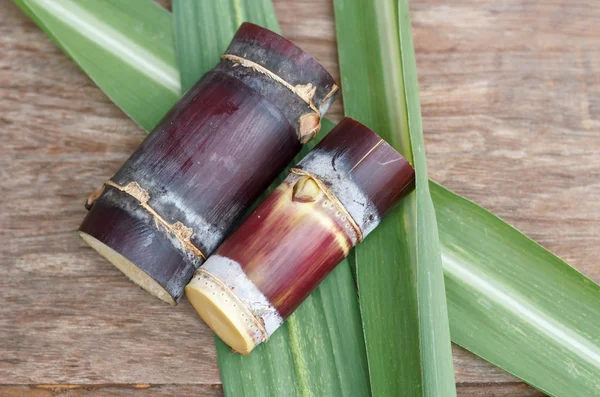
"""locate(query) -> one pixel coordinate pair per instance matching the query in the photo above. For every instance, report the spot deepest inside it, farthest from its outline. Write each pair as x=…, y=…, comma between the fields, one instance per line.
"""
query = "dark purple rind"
x=217, y=150
x=117, y=220
x=287, y=61
x=383, y=175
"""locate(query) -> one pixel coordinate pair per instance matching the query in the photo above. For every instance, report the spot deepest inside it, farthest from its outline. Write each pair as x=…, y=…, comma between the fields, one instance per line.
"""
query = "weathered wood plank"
x=511, y=105
x=497, y=390
x=131, y=390
x=511, y=111
x=147, y=390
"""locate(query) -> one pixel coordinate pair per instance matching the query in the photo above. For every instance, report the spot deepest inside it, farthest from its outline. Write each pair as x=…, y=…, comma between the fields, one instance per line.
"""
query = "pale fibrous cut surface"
x=133, y=272
x=222, y=312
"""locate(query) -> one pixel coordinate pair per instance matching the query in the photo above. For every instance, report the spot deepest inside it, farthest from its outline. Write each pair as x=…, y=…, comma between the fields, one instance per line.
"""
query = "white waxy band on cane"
x=222, y=288
x=232, y=274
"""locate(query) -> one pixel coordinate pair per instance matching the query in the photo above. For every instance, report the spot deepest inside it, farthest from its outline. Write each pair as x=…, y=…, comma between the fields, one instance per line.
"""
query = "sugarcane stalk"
x=213, y=154
x=328, y=203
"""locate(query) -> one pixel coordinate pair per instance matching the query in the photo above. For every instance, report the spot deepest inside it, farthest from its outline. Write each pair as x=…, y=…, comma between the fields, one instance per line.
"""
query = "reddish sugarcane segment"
x=213, y=154
x=264, y=270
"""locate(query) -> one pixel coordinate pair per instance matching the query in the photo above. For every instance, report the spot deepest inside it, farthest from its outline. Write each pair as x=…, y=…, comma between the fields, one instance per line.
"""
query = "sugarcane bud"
x=309, y=125
x=306, y=190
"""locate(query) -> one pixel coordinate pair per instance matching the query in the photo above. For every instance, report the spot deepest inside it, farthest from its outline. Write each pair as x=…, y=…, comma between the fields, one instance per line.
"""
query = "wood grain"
x=147, y=390
x=114, y=390
x=510, y=93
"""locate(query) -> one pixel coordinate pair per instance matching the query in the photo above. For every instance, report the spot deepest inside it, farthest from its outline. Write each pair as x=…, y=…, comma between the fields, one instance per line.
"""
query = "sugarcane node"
x=219, y=147
x=306, y=92
x=306, y=190
x=182, y=232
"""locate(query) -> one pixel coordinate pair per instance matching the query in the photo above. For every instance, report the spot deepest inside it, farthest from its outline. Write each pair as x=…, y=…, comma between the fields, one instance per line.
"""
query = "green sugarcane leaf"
x=126, y=47
x=515, y=304
x=319, y=351
x=398, y=267
x=510, y=301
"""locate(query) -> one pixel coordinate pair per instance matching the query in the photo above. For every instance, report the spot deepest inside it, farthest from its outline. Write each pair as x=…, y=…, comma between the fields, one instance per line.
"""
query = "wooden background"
x=511, y=106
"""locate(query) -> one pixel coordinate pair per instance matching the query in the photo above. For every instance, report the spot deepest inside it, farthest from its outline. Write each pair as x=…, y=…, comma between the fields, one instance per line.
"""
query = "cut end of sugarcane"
x=133, y=272
x=224, y=313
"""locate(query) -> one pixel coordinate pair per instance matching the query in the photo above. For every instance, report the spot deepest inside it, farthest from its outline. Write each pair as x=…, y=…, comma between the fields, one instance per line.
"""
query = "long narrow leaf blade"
x=438, y=371
x=320, y=350
x=515, y=304
x=126, y=47
x=399, y=271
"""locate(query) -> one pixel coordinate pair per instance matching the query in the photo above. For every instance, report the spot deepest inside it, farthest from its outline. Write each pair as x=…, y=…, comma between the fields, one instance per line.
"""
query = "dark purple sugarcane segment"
x=188, y=165
x=365, y=173
x=210, y=157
